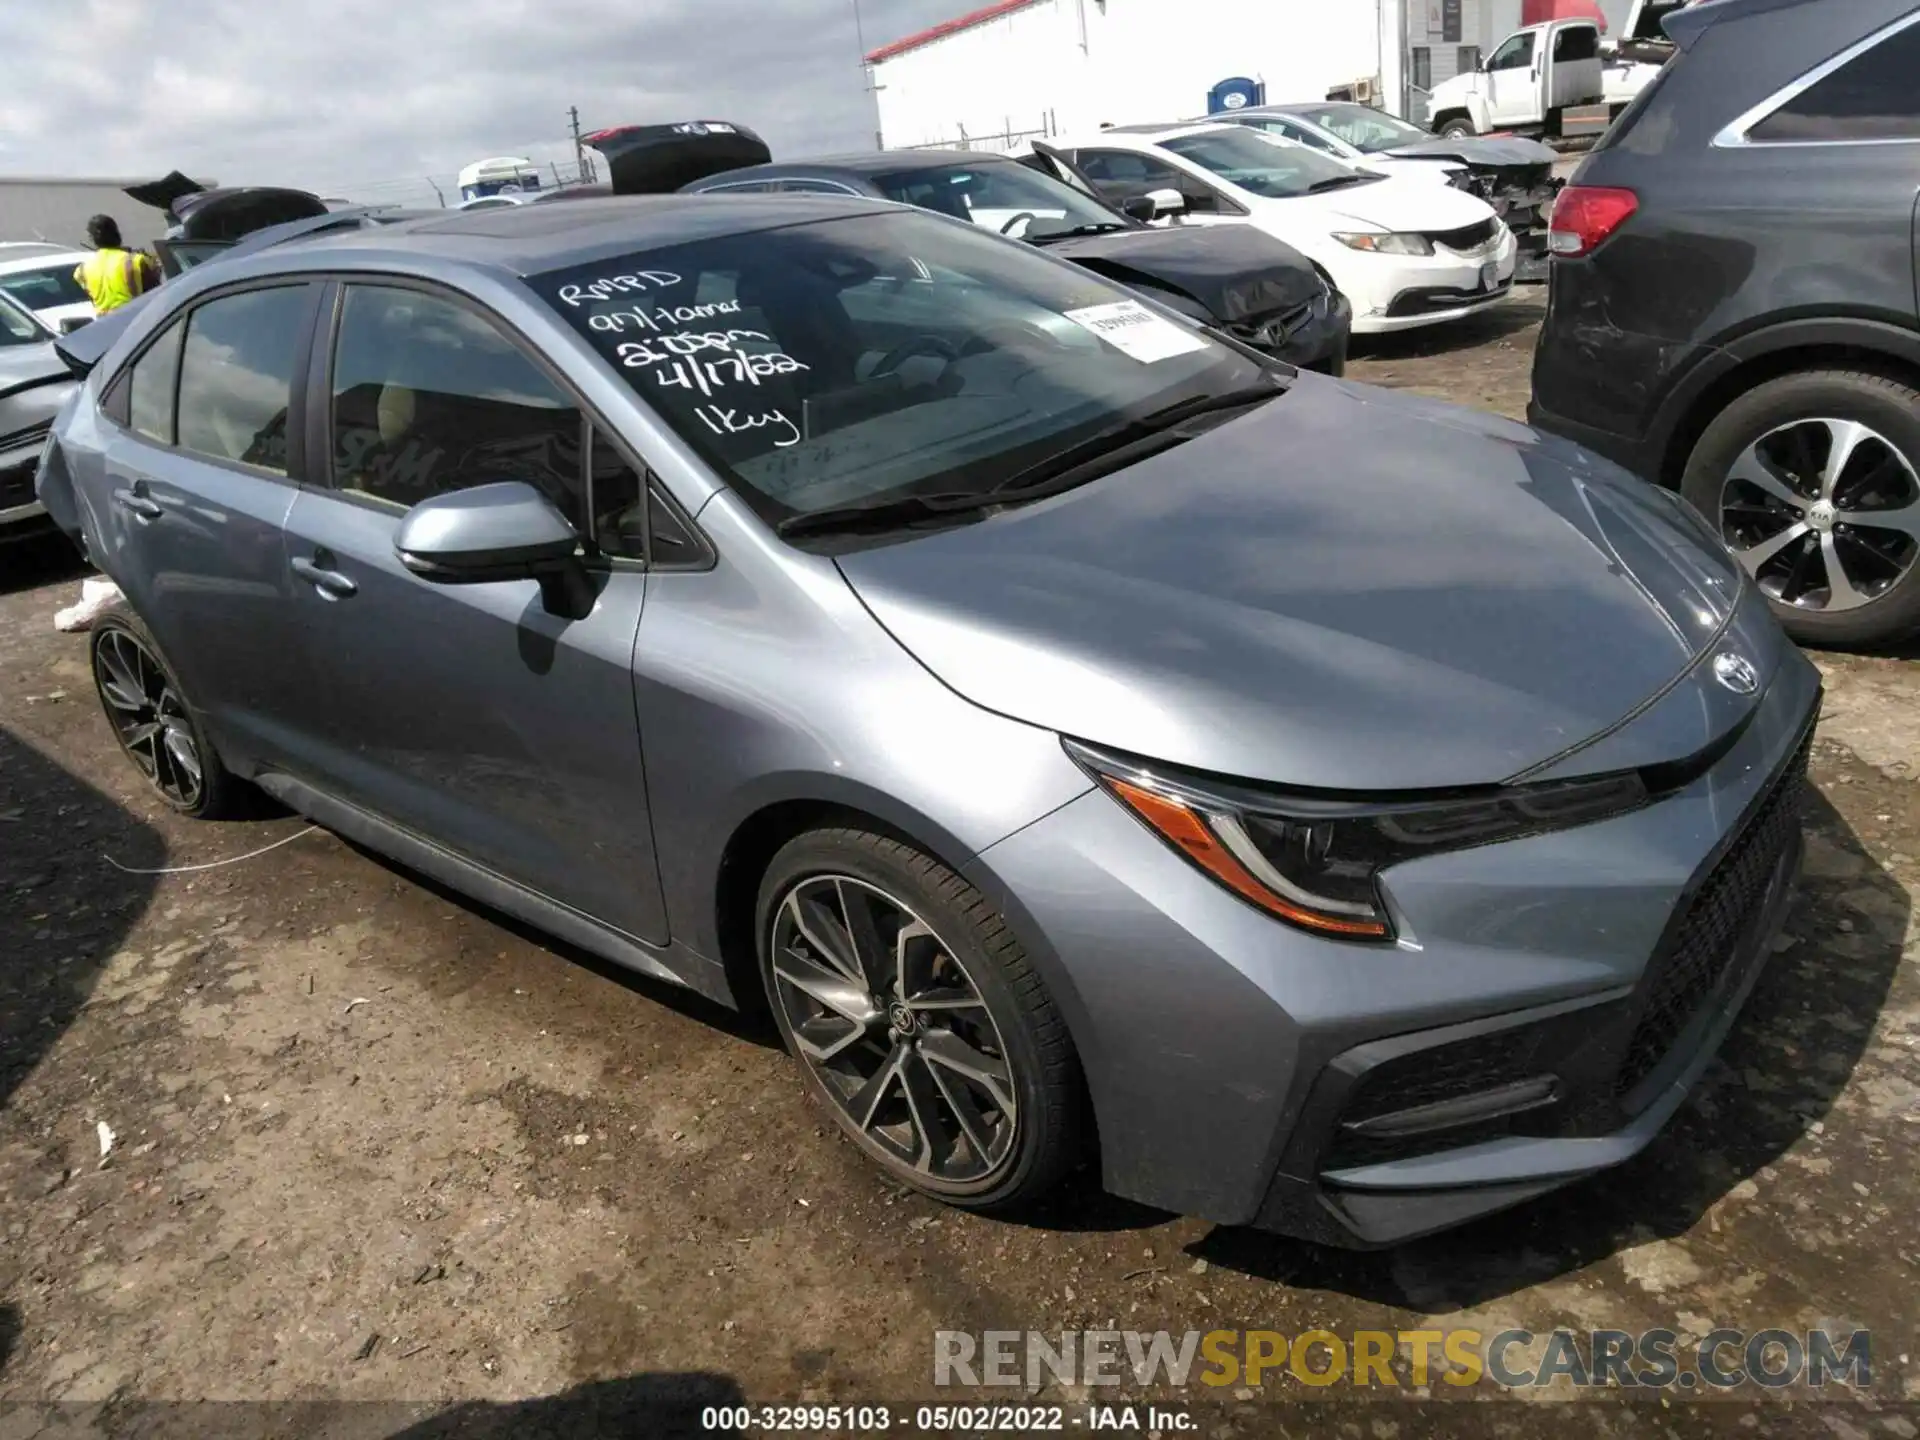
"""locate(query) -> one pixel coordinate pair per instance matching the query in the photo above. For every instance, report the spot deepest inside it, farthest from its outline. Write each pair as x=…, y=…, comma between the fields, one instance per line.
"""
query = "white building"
x=1022, y=69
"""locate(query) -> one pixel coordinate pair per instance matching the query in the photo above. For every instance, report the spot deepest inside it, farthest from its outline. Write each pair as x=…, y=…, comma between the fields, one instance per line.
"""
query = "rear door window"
x=152, y=383
x=236, y=375
x=1874, y=96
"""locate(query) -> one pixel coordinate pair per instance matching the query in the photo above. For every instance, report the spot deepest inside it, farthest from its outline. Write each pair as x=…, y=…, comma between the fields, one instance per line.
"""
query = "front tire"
x=918, y=1020
x=1456, y=128
x=158, y=729
x=1813, y=480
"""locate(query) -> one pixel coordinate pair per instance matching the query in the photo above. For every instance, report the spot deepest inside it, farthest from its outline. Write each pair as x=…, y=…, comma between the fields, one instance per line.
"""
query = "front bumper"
x=1233, y=1062
x=1392, y=293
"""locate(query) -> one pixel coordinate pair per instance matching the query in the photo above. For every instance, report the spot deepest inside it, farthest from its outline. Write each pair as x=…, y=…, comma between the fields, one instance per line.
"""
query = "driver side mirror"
x=1141, y=208
x=1166, y=202
x=491, y=533
x=73, y=323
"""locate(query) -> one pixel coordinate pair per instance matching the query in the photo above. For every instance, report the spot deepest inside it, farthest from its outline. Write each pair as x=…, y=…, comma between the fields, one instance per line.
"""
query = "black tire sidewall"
x=216, y=785
x=889, y=867
x=1888, y=407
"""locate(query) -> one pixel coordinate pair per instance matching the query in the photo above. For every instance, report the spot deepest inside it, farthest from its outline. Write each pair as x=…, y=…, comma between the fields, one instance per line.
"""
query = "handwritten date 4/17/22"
x=946, y=1419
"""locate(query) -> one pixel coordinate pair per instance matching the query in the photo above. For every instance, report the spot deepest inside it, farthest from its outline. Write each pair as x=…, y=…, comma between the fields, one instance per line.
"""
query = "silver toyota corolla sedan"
x=1335, y=811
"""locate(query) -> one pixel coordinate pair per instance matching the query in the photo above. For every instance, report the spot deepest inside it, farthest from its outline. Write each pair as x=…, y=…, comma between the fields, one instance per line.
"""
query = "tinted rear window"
x=1874, y=96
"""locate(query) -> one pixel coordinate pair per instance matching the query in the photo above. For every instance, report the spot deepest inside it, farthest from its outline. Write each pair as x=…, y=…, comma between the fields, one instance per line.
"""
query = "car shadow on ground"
x=1789, y=1056
x=656, y=1406
x=750, y=1023
x=42, y=560
x=1522, y=312
x=63, y=914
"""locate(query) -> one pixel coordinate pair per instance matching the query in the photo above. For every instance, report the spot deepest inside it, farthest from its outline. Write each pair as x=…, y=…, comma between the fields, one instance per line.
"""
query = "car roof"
x=51, y=255
x=862, y=165
x=531, y=239
x=1148, y=134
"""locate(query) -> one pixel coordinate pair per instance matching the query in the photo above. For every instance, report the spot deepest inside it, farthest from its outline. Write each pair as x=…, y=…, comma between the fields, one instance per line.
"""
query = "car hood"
x=22, y=367
x=1496, y=150
x=1235, y=271
x=1346, y=588
x=1396, y=203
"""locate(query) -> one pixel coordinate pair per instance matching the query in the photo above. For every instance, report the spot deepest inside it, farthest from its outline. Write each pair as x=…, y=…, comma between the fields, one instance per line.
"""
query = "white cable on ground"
x=211, y=864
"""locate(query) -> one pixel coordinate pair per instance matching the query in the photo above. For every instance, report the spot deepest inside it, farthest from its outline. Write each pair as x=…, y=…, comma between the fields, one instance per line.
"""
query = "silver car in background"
x=1334, y=810
x=34, y=383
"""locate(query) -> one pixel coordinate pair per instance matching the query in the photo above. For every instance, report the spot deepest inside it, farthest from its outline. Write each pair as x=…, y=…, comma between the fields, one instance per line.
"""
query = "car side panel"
x=764, y=681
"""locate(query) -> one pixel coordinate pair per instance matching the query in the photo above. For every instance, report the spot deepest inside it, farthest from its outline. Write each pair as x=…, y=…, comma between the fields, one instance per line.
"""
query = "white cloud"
x=367, y=98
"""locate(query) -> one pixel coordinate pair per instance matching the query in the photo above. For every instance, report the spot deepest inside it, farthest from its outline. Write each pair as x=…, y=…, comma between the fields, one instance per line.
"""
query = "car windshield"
x=45, y=286
x=881, y=357
x=17, y=327
x=1273, y=168
x=1004, y=196
x=1363, y=127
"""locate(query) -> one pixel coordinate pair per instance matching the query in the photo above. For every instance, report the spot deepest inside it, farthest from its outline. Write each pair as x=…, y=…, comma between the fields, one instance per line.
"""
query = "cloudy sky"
x=367, y=98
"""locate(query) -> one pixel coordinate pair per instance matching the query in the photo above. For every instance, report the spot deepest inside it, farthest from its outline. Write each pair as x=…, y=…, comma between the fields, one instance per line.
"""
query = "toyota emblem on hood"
x=1736, y=672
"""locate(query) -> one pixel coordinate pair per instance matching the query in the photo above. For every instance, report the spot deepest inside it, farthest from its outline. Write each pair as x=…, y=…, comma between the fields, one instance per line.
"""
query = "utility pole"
x=583, y=165
x=866, y=73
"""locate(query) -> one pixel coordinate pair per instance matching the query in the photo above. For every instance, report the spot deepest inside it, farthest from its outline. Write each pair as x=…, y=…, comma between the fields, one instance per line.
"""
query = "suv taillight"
x=1584, y=216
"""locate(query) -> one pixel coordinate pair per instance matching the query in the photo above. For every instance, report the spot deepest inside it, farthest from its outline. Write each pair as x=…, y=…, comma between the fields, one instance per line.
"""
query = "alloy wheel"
x=887, y=1018
x=1823, y=513
x=149, y=715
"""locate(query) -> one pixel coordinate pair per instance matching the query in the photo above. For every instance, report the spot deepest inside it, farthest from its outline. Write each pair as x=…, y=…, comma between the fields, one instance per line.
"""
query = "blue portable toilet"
x=1235, y=94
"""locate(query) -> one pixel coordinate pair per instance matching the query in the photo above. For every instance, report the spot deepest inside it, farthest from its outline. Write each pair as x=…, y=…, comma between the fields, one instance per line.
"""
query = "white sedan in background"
x=1405, y=252
x=40, y=277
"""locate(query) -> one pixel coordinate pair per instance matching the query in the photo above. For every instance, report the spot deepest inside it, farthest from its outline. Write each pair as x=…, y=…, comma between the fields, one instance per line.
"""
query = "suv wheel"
x=153, y=722
x=1458, y=126
x=917, y=1019
x=1814, y=482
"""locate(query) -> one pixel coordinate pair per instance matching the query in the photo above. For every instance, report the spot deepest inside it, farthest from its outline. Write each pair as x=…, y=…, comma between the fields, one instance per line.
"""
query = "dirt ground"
x=373, y=1144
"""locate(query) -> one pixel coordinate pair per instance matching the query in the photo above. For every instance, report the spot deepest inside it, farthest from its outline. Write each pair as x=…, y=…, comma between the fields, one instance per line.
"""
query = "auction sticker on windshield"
x=1130, y=327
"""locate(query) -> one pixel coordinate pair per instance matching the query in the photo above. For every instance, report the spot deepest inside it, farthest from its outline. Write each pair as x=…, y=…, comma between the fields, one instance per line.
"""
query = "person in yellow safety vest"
x=113, y=275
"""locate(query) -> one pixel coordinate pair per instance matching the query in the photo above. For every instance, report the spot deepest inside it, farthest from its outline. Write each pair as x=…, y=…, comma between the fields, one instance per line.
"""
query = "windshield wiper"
x=893, y=510
x=1105, y=450
x=1128, y=441
x=1068, y=232
x=1340, y=182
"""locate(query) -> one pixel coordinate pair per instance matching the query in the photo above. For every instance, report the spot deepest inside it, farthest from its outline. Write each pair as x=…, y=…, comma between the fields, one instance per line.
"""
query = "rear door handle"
x=331, y=584
x=137, y=504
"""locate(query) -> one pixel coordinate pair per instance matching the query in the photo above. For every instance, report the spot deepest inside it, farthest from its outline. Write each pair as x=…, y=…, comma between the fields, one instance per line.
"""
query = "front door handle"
x=137, y=504
x=331, y=584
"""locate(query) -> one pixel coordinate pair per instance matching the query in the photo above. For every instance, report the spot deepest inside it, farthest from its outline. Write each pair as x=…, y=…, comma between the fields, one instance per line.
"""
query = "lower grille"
x=1429, y=1077
x=1468, y=237
x=1709, y=939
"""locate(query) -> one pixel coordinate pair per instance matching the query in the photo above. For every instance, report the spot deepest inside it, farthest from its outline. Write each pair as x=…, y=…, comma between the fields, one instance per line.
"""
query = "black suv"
x=1732, y=308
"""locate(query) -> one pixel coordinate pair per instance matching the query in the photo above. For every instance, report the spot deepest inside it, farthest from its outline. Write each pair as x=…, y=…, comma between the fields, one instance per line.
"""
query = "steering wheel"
x=1027, y=215
x=907, y=349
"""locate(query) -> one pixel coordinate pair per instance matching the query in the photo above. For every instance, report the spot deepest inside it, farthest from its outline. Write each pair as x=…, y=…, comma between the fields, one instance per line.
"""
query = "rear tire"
x=1759, y=473
x=934, y=1045
x=157, y=726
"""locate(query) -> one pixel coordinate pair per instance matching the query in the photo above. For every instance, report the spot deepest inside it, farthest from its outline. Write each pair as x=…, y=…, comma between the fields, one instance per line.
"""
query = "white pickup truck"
x=1556, y=78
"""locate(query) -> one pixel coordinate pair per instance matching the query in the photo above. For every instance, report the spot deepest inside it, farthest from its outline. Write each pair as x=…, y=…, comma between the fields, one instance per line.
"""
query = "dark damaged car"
x=1247, y=284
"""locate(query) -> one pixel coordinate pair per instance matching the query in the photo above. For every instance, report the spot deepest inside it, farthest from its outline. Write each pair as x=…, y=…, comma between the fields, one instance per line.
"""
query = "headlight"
x=1387, y=244
x=1314, y=861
